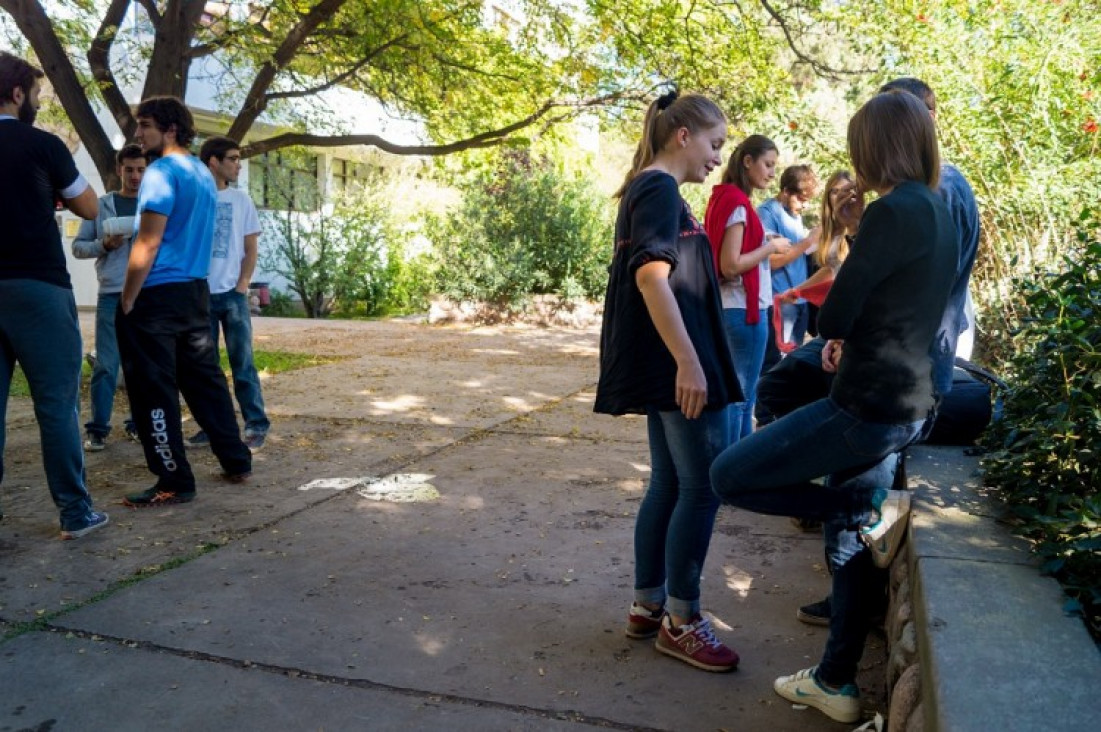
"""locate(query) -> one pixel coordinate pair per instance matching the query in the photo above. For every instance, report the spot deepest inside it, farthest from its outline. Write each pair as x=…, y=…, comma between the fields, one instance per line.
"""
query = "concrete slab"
x=120, y=688
x=504, y=589
x=1033, y=669
x=40, y=575
x=953, y=516
x=573, y=417
x=471, y=393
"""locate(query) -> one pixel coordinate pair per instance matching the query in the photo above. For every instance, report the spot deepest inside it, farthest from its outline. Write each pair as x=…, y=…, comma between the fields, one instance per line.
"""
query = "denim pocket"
x=875, y=440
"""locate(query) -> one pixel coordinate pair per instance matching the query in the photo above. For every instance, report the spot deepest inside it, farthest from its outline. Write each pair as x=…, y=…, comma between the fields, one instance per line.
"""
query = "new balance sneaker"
x=255, y=440
x=816, y=613
x=95, y=520
x=695, y=644
x=157, y=496
x=94, y=442
x=199, y=439
x=643, y=622
x=803, y=687
x=884, y=535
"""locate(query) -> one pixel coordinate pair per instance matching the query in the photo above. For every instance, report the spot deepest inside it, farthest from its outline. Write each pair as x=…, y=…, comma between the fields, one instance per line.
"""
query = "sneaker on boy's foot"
x=94, y=443
x=884, y=536
x=802, y=687
x=255, y=441
x=95, y=521
x=199, y=439
x=695, y=644
x=816, y=613
x=642, y=622
x=157, y=496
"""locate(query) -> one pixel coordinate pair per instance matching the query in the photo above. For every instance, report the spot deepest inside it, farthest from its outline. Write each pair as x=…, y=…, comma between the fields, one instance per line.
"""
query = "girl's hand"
x=788, y=297
x=780, y=245
x=691, y=389
x=851, y=210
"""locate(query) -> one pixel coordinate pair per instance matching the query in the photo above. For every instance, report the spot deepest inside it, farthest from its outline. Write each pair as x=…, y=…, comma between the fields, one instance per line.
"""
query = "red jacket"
x=725, y=198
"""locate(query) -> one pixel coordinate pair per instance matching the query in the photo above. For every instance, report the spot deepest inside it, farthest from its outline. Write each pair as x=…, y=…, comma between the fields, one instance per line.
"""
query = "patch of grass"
x=270, y=362
x=276, y=362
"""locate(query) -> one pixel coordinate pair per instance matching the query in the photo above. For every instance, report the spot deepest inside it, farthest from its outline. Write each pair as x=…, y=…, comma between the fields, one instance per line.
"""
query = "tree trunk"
x=169, y=64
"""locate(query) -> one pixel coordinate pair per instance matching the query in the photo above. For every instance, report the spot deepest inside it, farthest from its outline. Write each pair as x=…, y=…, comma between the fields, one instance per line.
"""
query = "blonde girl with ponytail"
x=663, y=354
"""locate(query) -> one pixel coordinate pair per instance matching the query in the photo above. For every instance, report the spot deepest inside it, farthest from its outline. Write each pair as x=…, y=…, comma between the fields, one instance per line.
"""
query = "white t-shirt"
x=733, y=291
x=234, y=219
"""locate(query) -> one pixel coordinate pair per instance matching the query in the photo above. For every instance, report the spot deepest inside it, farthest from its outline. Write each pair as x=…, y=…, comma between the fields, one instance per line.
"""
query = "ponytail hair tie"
x=665, y=100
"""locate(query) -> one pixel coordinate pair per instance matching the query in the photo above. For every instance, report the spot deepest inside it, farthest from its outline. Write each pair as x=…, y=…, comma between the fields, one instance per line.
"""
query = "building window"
x=285, y=180
x=348, y=175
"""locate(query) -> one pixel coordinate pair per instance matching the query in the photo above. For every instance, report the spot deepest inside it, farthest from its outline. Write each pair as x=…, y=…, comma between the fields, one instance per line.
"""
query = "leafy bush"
x=524, y=228
x=1044, y=451
x=347, y=258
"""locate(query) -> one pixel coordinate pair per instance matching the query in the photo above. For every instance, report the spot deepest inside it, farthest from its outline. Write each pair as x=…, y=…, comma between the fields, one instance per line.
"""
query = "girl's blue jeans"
x=747, y=348
x=673, y=529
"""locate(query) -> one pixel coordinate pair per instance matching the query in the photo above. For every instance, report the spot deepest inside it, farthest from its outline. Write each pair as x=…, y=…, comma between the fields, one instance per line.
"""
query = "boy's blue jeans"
x=229, y=312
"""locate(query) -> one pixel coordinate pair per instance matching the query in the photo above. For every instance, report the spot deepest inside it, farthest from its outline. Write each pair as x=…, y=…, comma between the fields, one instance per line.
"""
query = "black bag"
x=964, y=412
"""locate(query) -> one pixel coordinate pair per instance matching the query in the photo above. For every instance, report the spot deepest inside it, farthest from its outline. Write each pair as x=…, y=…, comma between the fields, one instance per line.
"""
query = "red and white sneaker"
x=642, y=622
x=695, y=644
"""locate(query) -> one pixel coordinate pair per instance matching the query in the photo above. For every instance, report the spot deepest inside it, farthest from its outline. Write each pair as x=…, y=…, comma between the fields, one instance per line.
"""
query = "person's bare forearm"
x=248, y=263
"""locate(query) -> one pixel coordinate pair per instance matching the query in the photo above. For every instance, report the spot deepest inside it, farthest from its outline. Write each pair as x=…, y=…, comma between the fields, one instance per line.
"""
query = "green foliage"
x=346, y=258
x=1043, y=454
x=282, y=305
x=20, y=388
x=277, y=362
x=524, y=228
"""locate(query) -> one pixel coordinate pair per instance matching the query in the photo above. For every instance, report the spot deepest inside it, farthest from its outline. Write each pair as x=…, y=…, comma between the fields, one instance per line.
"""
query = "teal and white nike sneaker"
x=841, y=705
x=884, y=536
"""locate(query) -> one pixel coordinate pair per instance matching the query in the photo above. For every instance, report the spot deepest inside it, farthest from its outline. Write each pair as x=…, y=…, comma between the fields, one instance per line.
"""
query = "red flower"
x=1090, y=126
x=922, y=18
x=793, y=125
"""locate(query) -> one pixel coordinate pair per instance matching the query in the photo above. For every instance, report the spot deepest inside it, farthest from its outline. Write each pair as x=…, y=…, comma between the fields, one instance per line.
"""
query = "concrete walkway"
x=482, y=586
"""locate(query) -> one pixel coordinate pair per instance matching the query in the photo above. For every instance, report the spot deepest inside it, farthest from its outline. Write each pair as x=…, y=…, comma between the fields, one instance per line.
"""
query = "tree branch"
x=256, y=99
x=342, y=77
x=817, y=66
x=152, y=11
x=481, y=140
x=99, y=60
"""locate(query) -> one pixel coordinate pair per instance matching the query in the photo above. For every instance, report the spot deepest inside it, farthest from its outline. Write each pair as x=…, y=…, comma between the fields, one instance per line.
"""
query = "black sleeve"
x=63, y=170
x=655, y=223
x=871, y=259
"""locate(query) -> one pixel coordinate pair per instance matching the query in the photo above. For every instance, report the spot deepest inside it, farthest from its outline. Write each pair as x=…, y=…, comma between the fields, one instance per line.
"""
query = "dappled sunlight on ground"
x=738, y=580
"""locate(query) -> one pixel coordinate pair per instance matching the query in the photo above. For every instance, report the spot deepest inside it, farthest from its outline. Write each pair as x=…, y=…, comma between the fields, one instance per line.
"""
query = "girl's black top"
x=636, y=369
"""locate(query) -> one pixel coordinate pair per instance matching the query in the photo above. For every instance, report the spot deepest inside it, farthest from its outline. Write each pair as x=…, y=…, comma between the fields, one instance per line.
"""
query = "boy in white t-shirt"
x=232, y=263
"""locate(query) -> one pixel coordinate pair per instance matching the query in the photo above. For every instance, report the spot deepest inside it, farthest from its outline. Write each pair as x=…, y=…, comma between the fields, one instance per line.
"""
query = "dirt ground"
x=527, y=510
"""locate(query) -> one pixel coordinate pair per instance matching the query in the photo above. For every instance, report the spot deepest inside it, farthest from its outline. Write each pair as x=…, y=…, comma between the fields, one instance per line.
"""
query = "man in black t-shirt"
x=38, y=322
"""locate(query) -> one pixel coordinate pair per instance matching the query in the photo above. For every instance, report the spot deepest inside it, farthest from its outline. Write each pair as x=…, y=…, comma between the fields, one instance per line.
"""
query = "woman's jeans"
x=770, y=472
x=747, y=348
x=105, y=373
x=673, y=529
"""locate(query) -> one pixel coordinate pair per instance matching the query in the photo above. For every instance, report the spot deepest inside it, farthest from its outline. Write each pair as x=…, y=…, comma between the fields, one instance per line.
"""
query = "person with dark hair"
x=163, y=320
x=741, y=250
x=885, y=306
x=663, y=354
x=236, y=246
x=800, y=379
x=38, y=319
x=782, y=216
x=107, y=240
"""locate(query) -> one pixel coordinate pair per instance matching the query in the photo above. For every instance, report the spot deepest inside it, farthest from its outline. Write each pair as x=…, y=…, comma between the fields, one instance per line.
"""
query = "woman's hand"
x=788, y=297
x=691, y=389
x=831, y=356
x=851, y=210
